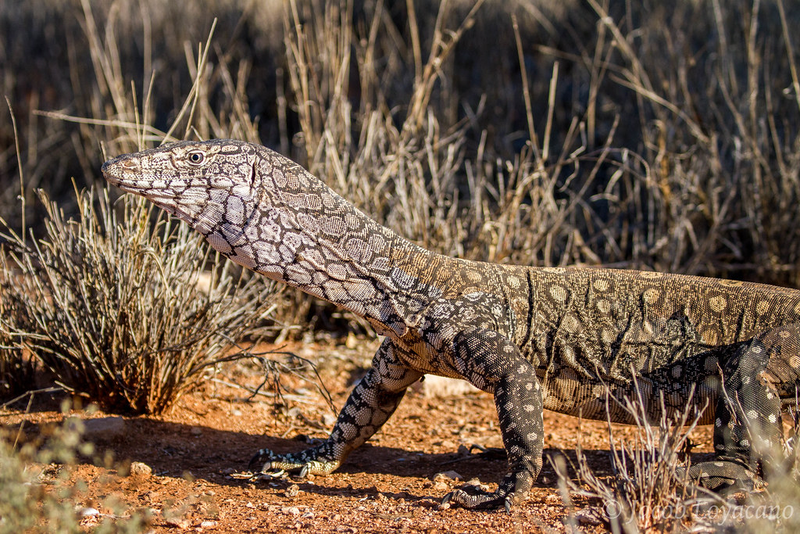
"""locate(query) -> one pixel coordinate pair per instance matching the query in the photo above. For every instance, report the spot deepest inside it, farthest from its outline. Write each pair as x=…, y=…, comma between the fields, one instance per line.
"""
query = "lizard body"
x=535, y=338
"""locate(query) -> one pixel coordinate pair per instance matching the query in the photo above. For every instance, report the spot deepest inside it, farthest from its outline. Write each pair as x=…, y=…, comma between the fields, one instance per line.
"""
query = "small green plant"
x=122, y=311
x=39, y=493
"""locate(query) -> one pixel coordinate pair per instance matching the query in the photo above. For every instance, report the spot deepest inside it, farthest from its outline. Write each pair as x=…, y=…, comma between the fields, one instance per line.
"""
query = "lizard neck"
x=303, y=233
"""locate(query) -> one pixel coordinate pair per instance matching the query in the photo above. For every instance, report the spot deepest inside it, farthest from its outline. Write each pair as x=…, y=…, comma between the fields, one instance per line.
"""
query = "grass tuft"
x=650, y=489
x=121, y=311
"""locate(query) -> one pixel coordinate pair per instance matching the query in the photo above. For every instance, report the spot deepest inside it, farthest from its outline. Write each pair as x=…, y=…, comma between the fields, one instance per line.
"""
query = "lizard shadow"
x=178, y=450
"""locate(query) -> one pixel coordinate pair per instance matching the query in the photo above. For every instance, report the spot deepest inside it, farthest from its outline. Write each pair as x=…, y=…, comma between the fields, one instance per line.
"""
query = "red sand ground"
x=197, y=450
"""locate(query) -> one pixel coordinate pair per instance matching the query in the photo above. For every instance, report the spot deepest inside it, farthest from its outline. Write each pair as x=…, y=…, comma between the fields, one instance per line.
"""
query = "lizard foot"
x=309, y=462
x=724, y=476
x=475, y=498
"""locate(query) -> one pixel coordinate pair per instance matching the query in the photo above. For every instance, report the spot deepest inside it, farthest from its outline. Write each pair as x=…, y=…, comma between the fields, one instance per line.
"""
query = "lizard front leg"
x=492, y=362
x=370, y=404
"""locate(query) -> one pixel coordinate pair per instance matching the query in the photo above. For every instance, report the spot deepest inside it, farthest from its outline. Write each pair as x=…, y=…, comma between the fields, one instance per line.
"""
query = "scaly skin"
x=535, y=338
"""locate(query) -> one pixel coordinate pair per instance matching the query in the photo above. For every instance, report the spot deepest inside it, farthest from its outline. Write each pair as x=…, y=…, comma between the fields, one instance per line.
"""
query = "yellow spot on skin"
x=710, y=336
x=794, y=361
x=647, y=328
x=601, y=285
x=650, y=274
x=717, y=303
x=571, y=323
x=473, y=276
x=762, y=307
x=558, y=293
x=651, y=295
x=607, y=335
x=711, y=382
x=603, y=306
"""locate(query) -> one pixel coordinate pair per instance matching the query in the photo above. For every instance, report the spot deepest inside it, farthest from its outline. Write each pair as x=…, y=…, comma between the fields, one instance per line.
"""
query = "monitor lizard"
x=563, y=339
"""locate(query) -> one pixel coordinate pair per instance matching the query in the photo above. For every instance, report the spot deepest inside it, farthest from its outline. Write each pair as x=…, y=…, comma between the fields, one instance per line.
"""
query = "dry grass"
x=121, y=311
x=17, y=369
x=122, y=304
x=623, y=135
x=650, y=489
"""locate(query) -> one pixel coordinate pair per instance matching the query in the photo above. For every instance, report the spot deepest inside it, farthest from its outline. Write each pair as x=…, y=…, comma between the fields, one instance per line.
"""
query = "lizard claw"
x=302, y=464
x=262, y=458
x=476, y=499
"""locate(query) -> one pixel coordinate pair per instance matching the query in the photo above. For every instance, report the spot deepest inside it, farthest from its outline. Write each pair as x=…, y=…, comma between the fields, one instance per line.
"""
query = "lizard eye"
x=196, y=157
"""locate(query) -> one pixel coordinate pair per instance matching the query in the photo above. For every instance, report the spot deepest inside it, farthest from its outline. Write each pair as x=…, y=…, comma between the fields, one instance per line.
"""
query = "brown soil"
x=198, y=451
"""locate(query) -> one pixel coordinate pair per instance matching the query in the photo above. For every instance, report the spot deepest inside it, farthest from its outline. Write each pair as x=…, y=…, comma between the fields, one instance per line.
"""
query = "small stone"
x=196, y=431
x=208, y=524
x=103, y=428
x=441, y=485
x=589, y=516
x=290, y=510
x=352, y=341
x=439, y=387
x=328, y=420
x=140, y=469
x=552, y=500
x=292, y=490
x=182, y=524
x=449, y=475
x=88, y=512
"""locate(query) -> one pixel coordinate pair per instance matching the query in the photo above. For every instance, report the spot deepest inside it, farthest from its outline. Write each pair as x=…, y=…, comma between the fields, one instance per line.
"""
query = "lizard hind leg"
x=747, y=426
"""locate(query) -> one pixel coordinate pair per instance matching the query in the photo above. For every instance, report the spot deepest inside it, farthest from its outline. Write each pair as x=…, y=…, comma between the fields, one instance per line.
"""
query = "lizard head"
x=211, y=185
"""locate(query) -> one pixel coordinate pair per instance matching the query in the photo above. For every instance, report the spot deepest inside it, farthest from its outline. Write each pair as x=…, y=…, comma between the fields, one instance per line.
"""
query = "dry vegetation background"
x=645, y=134
x=624, y=134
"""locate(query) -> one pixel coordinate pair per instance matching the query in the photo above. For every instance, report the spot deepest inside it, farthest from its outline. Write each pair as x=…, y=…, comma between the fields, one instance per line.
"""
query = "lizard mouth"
x=115, y=170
